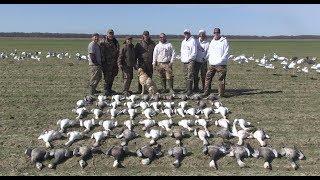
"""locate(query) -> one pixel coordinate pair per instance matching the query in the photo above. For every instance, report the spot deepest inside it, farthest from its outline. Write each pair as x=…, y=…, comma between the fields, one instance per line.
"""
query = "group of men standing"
x=106, y=58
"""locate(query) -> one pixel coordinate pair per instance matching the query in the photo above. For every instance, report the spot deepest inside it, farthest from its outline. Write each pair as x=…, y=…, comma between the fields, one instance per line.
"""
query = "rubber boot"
x=196, y=84
x=221, y=89
x=164, y=85
x=189, y=88
x=170, y=81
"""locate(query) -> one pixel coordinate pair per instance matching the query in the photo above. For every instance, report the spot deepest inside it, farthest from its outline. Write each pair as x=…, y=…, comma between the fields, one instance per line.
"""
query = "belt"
x=164, y=62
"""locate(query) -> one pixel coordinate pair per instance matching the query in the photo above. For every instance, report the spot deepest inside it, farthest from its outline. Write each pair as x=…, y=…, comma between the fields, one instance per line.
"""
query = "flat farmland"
x=35, y=94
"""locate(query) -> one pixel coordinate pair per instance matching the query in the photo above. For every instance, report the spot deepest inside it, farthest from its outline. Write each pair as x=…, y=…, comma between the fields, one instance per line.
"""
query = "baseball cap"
x=145, y=33
x=202, y=32
x=95, y=34
x=128, y=37
x=216, y=30
x=110, y=31
x=187, y=31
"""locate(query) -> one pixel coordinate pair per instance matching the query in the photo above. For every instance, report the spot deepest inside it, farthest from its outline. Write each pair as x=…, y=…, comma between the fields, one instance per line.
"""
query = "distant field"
x=34, y=95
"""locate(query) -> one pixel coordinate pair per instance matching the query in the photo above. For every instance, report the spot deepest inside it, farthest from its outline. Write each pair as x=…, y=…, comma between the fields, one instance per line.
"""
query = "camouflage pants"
x=202, y=68
x=127, y=77
x=165, y=71
x=188, y=68
x=222, y=73
x=95, y=77
x=110, y=71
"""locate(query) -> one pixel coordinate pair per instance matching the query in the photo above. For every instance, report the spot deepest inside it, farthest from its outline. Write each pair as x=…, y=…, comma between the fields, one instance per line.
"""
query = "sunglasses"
x=161, y=37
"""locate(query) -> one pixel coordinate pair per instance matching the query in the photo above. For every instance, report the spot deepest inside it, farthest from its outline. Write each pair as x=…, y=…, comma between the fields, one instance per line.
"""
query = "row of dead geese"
x=241, y=150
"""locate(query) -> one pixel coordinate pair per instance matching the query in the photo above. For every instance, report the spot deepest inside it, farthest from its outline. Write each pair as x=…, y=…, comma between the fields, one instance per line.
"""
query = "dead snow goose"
x=65, y=123
x=97, y=113
x=132, y=98
x=130, y=105
x=149, y=153
x=108, y=125
x=183, y=104
x=193, y=112
x=132, y=113
x=261, y=137
x=148, y=113
x=168, y=105
x=186, y=124
x=207, y=111
x=147, y=123
x=180, y=111
x=201, y=104
x=154, y=135
x=224, y=133
x=224, y=111
x=88, y=124
x=245, y=125
x=156, y=106
x=166, y=124
x=129, y=124
x=241, y=134
x=224, y=123
x=73, y=136
x=268, y=154
x=178, y=153
x=144, y=105
x=114, y=112
x=99, y=136
x=37, y=156
x=168, y=112
x=60, y=155
x=85, y=154
x=202, y=135
x=81, y=112
x=178, y=134
x=49, y=136
x=240, y=152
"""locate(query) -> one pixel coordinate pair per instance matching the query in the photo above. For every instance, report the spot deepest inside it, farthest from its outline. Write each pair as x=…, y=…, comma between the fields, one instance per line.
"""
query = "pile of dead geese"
x=195, y=121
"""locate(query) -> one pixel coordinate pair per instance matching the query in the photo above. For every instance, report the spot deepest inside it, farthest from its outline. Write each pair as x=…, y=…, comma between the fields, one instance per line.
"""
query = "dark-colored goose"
x=178, y=153
x=37, y=156
x=268, y=154
x=118, y=153
x=196, y=97
x=224, y=133
x=201, y=104
x=145, y=98
x=293, y=155
x=149, y=153
x=240, y=153
x=183, y=97
x=178, y=134
x=212, y=97
x=127, y=135
x=85, y=154
x=216, y=152
x=60, y=155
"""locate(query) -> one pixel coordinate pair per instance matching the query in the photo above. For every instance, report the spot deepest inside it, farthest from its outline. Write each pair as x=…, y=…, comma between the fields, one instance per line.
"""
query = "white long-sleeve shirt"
x=202, y=52
x=188, y=50
x=218, y=52
x=163, y=52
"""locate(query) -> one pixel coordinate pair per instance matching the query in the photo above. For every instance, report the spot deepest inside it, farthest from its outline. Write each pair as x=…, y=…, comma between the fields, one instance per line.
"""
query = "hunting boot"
x=126, y=88
x=170, y=81
x=139, y=88
x=110, y=88
x=164, y=85
x=203, y=84
x=206, y=89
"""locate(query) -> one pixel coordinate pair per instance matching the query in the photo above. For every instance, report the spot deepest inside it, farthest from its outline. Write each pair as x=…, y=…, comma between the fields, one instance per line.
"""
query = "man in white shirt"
x=163, y=56
x=218, y=58
x=201, y=60
x=188, y=56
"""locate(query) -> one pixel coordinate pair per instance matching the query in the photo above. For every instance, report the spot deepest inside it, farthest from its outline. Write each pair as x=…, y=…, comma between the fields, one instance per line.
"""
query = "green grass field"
x=34, y=95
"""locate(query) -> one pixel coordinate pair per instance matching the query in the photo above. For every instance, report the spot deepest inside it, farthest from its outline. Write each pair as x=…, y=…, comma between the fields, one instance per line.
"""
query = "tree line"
x=75, y=35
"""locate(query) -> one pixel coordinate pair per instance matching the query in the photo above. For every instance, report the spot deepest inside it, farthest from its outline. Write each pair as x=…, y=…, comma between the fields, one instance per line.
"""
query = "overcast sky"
x=233, y=19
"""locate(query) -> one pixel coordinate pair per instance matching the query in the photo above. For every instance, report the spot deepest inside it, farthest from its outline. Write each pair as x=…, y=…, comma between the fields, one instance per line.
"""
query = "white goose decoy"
x=65, y=123
x=99, y=136
x=129, y=124
x=168, y=105
x=108, y=125
x=224, y=123
x=147, y=123
x=88, y=124
x=132, y=98
x=97, y=113
x=154, y=134
x=203, y=135
x=80, y=111
x=168, y=112
x=261, y=137
x=144, y=105
x=180, y=111
x=241, y=134
x=49, y=136
x=73, y=136
x=243, y=124
x=186, y=124
x=193, y=112
x=156, y=106
x=149, y=113
x=207, y=111
x=183, y=104
x=132, y=113
x=166, y=124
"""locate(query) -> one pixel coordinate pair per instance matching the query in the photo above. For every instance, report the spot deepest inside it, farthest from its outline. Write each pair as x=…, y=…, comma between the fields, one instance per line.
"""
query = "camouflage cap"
x=146, y=33
x=110, y=31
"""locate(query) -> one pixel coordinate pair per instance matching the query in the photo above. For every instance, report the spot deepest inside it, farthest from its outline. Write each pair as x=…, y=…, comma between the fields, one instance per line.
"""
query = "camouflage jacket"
x=127, y=56
x=144, y=52
x=109, y=51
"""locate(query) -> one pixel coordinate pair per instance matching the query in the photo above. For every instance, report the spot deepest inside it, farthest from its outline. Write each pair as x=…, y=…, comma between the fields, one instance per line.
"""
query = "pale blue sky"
x=233, y=19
